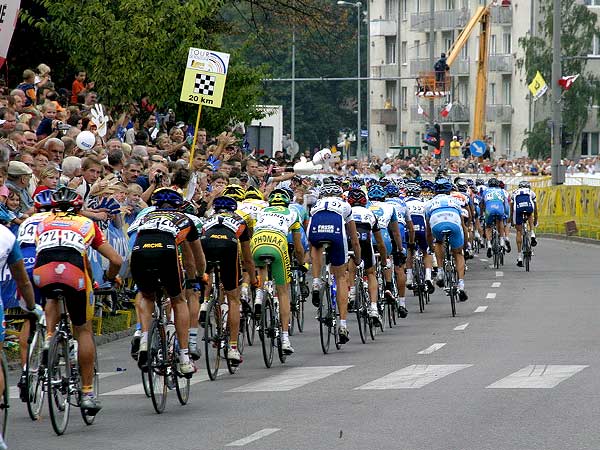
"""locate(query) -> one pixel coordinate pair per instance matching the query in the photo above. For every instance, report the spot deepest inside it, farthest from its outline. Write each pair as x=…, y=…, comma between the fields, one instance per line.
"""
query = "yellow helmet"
x=253, y=193
x=234, y=191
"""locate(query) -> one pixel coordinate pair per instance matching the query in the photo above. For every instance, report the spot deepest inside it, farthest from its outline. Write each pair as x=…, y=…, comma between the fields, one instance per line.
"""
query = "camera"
x=158, y=178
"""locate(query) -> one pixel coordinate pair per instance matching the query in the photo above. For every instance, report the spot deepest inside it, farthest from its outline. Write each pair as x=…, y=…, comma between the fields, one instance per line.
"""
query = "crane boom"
x=464, y=35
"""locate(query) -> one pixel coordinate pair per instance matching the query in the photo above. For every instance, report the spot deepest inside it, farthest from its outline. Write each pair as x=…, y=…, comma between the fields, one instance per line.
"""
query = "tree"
x=577, y=32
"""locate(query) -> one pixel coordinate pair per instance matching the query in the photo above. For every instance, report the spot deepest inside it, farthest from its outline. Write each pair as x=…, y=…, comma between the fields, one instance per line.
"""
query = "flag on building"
x=444, y=112
x=420, y=111
x=9, y=12
x=538, y=86
x=567, y=82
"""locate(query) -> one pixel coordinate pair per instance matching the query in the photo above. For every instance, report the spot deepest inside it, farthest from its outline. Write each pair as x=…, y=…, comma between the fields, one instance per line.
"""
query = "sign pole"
x=195, y=135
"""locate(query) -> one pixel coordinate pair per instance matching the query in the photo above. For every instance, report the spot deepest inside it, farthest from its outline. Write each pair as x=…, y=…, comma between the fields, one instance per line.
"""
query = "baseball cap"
x=18, y=168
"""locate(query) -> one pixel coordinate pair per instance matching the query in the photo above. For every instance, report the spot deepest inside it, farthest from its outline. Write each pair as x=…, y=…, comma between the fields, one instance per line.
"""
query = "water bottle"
x=73, y=348
x=333, y=292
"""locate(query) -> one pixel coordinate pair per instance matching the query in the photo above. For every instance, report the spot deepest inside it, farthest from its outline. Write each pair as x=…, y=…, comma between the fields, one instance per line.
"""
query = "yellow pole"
x=195, y=135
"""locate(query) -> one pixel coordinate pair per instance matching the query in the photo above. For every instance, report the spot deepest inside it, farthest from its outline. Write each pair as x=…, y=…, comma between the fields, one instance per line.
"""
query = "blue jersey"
x=416, y=209
x=443, y=208
x=402, y=213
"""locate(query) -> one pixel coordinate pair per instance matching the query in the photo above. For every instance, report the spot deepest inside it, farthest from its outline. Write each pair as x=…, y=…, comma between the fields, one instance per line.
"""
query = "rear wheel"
x=157, y=354
x=325, y=324
x=35, y=374
x=59, y=392
x=300, y=315
x=361, y=313
x=182, y=386
x=267, y=332
x=212, y=339
x=5, y=396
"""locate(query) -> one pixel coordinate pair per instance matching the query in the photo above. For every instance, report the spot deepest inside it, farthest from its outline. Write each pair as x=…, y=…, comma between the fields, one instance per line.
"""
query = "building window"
x=417, y=46
x=391, y=9
x=506, y=140
x=404, y=138
x=418, y=138
x=404, y=97
x=464, y=52
x=506, y=94
x=592, y=2
x=506, y=43
x=590, y=143
x=450, y=4
x=418, y=6
x=390, y=50
x=390, y=93
x=403, y=52
x=404, y=6
x=493, y=44
x=462, y=94
x=492, y=94
x=595, y=44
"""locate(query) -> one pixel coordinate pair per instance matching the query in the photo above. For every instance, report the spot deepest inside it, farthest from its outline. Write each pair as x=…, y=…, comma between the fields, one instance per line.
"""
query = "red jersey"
x=68, y=230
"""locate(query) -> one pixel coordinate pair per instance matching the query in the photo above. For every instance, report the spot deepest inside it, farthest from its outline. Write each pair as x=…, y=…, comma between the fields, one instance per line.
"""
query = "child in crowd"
x=3, y=188
x=133, y=202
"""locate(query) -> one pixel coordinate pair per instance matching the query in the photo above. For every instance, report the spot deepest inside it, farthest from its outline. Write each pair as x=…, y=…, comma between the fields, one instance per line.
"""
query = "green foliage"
x=578, y=30
x=537, y=141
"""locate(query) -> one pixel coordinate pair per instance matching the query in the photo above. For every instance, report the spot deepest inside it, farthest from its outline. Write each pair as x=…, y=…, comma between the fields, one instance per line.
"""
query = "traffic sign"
x=477, y=148
x=364, y=133
x=204, y=79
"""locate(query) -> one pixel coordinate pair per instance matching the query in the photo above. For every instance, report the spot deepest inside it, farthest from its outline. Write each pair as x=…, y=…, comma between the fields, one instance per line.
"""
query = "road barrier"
x=572, y=210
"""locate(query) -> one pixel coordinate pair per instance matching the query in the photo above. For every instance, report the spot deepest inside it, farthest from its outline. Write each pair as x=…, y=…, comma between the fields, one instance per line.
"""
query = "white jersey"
x=399, y=205
x=416, y=209
x=277, y=218
x=385, y=213
x=27, y=229
x=7, y=244
x=364, y=216
x=524, y=192
x=335, y=205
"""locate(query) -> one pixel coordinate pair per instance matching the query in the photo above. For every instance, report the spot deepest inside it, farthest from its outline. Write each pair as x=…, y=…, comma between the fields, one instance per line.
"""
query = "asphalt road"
x=522, y=373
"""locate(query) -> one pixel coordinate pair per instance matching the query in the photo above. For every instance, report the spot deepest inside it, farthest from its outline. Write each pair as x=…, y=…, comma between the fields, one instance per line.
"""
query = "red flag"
x=567, y=82
x=444, y=112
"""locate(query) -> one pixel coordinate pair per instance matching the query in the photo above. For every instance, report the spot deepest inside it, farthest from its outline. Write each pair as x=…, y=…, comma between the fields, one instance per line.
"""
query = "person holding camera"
x=158, y=176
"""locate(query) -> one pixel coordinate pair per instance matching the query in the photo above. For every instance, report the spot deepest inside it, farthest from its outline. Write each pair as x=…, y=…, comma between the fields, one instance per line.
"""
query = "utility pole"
x=398, y=82
x=431, y=51
x=359, y=118
x=368, y=12
x=557, y=175
x=293, y=112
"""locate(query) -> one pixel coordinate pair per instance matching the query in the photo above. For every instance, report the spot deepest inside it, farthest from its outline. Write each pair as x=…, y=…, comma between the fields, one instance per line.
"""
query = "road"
x=521, y=373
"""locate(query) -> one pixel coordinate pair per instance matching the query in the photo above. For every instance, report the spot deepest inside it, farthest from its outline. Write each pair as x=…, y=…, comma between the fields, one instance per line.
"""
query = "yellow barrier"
x=560, y=204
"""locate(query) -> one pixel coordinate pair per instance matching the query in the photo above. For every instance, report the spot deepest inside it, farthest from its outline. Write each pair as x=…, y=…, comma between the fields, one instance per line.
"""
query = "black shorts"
x=155, y=264
x=367, y=254
x=220, y=246
x=396, y=254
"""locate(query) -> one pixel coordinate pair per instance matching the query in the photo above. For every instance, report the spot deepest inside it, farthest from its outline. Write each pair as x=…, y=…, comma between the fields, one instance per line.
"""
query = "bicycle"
x=64, y=379
x=526, y=245
x=327, y=313
x=362, y=303
x=380, y=291
x=419, y=286
x=35, y=370
x=497, y=248
x=450, y=276
x=163, y=349
x=216, y=329
x=270, y=321
x=297, y=300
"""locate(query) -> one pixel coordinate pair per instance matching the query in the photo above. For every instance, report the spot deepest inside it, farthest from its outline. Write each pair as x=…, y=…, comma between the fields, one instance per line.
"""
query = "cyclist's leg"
x=519, y=228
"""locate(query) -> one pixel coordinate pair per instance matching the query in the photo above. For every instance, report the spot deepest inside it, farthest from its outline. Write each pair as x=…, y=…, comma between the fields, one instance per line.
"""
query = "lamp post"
x=358, y=6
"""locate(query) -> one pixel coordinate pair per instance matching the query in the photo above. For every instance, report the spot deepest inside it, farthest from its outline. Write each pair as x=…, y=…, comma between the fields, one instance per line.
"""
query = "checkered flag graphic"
x=204, y=84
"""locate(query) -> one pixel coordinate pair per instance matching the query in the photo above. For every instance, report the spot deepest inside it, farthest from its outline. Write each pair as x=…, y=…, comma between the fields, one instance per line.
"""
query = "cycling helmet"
x=401, y=183
x=166, y=195
x=224, y=203
x=43, y=200
x=377, y=192
x=346, y=183
x=501, y=184
x=461, y=185
x=428, y=185
x=384, y=181
x=330, y=190
x=357, y=197
x=470, y=182
x=66, y=199
x=493, y=182
x=413, y=189
x=6, y=216
x=253, y=193
x=525, y=184
x=392, y=190
x=479, y=182
x=279, y=197
x=234, y=191
x=289, y=192
x=443, y=186
x=355, y=185
x=188, y=208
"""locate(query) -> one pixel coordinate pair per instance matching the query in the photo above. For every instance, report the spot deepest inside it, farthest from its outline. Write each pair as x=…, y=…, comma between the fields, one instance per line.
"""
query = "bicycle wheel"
x=421, y=294
x=251, y=324
x=300, y=315
x=35, y=375
x=526, y=251
x=361, y=313
x=212, y=339
x=157, y=368
x=4, y=401
x=267, y=331
x=453, y=292
x=279, y=342
x=59, y=389
x=182, y=383
x=325, y=319
x=88, y=418
x=390, y=314
x=146, y=383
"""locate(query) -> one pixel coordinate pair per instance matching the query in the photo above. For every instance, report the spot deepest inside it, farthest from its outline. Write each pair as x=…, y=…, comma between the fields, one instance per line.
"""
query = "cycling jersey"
x=303, y=219
x=443, y=213
x=463, y=201
x=386, y=215
x=250, y=208
x=9, y=254
x=523, y=202
x=328, y=220
x=366, y=225
x=26, y=239
x=496, y=204
x=416, y=209
x=173, y=223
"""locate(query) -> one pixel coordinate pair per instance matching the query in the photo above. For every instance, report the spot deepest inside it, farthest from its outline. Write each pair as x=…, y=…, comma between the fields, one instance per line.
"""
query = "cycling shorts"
x=155, y=263
x=457, y=239
x=28, y=251
x=65, y=269
x=403, y=234
x=387, y=240
x=271, y=244
x=396, y=255
x=327, y=226
x=219, y=249
x=303, y=238
x=421, y=241
x=527, y=210
x=494, y=211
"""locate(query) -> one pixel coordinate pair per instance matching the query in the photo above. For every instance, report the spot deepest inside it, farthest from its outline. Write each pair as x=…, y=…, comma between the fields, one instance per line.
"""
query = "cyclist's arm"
x=394, y=230
x=187, y=257
x=429, y=235
x=114, y=259
x=411, y=230
x=535, y=213
x=248, y=260
x=380, y=245
x=199, y=258
x=298, y=248
x=351, y=229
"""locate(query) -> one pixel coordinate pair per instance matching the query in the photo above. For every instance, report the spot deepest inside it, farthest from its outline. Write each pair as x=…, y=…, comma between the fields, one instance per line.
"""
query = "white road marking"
x=413, y=377
x=14, y=391
x=491, y=295
x=461, y=327
x=537, y=376
x=483, y=260
x=480, y=309
x=138, y=389
x=499, y=273
x=496, y=284
x=290, y=379
x=432, y=348
x=253, y=437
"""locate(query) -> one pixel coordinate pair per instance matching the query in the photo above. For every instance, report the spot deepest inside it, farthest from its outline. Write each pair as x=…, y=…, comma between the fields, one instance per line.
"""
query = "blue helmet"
x=392, y=190
x=224, y=203
x=167, y=195
x=6, y=215
x=443, y=186
x=377, y=192
x=428, y=185
x=43, y=200
x=413, y=189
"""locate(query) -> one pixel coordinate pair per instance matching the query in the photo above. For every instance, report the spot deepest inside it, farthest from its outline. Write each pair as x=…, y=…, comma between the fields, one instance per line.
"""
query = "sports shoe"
x=462, y=295
x=135, y=344
x=142, y=359
x=519, y=262
x=467, y=253
x=439, y=279
x=402, y=311
x=90, y=404
x=507, y=245
x=286, y=347
x=374, y=314
x=344, y=335
x=202, y=318
x=489, y=251
x=194, y=351
x=533, y=241
x=22, y=386
x=234, y=356
x=316, y=298
x=187, y=369
x=3, y=445
x=430, y=287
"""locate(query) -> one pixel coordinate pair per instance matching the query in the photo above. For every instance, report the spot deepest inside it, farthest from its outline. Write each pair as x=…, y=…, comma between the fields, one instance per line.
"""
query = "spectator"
x=28, y=87
x=454, y=147
x=8, y=119
x=80, y=86
x=49, y=178
x=19, y=176
x=56, y=149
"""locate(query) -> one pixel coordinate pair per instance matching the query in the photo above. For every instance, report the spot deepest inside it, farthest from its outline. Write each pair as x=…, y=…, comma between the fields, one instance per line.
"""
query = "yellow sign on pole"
x=205, y=75
x=538, y=86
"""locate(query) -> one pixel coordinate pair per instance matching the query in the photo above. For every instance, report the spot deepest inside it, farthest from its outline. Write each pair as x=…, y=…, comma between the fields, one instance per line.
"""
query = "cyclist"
x=416, y=207
x=223, y=234
x=443, y=213
x=460, y=194
x=270, y=240
x=523, y=204
x=367, y=228
x=63, y=239
x=331, y=221
x=155, y=264
x=496, y=209
x=390, y=230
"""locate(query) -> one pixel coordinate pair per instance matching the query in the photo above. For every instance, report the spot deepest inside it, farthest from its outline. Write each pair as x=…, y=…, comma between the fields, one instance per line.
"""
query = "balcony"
x=498, y=113
x=383, y=116
x=384, y=70
x=458, y=114
x=501, y=15
x=459, y=68
x=383, y=28
x=500, y=63
x=451, y=19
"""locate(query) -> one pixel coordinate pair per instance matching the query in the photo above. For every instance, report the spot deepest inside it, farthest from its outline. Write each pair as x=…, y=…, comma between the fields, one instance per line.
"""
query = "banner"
x=9, y=11
x=538, y=86
x=204, y=79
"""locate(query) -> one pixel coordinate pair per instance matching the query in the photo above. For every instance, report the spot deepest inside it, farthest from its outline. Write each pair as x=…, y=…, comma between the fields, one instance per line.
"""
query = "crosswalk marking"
x=491, y=295
x=253, y=437
x=480, y=309
x=290, y=379
x=496, y=284
x=537, y=376
x=432, y=348
x=14, y=391
x=499, y=273
x=482, y=259
x=413, y=377
x=461, y=327
x=138, y=388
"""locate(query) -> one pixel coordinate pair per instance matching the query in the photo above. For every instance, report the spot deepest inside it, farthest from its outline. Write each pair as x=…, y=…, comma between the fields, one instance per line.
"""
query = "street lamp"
x=358, y=6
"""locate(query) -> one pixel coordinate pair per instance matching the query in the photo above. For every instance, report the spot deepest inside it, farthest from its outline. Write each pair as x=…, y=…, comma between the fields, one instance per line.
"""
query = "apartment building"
x=399, y=46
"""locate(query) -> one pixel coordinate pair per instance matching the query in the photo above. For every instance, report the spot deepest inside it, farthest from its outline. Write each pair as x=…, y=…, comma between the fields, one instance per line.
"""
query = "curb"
x=562, y=237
